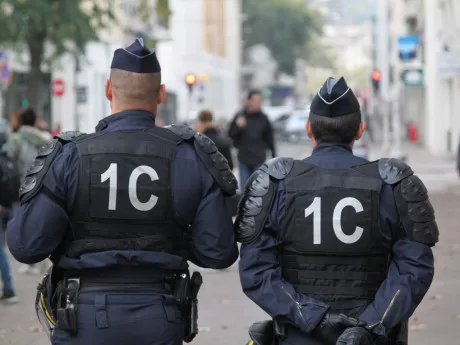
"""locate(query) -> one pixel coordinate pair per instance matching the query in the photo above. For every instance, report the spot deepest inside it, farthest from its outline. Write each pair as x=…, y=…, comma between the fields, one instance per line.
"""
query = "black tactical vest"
x=332, y=245
x=124, y=198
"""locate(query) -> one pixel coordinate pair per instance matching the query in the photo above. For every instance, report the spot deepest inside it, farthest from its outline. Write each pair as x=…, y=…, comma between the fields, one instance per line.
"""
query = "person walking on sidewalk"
x=205, y=124
x=252, y=135
x=22, y=148
x=9, y=295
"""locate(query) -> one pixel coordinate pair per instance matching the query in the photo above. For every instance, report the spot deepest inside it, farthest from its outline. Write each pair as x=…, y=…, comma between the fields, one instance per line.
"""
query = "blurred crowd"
x=20, y=138
x=250, y=132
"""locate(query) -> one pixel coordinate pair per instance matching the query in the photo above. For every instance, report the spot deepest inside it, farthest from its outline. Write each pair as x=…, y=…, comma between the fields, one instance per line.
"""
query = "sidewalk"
x=436, y=172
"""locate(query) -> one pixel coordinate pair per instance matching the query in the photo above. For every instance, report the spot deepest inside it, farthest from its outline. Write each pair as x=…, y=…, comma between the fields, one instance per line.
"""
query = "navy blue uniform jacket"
x=409, y=276
x=39, y=226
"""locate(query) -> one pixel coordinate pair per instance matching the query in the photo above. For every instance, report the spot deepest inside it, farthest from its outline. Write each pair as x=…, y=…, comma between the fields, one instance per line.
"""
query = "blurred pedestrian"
x=9, y=295
x=13, y=120
x=22, y=148
x=205, y=124
x=252, y=135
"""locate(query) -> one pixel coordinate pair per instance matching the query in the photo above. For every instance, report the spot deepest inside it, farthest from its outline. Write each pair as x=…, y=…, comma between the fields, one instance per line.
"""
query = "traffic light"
x=190, y=80
x=376, y=76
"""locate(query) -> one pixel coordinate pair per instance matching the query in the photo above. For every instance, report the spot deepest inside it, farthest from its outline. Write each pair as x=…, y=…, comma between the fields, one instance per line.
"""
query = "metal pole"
x=396, y=116
x=2, y=103
x=384, y=67
x=75, y=87
x=398, y=30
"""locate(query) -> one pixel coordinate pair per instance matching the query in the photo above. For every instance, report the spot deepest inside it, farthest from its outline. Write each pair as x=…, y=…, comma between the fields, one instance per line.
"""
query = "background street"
x=225, y=313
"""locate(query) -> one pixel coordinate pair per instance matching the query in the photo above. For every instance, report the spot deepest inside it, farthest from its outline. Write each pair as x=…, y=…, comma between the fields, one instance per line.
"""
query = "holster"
x=400, y=334
x=262, y=333
x=186, y=294
x=67, y=306
x=46, y=299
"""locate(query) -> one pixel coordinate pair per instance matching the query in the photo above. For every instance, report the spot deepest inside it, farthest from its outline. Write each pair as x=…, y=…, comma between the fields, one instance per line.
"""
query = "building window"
x=214, y=27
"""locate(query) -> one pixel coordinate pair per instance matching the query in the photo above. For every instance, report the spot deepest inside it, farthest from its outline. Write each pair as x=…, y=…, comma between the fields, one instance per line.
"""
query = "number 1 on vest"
x=315, y=209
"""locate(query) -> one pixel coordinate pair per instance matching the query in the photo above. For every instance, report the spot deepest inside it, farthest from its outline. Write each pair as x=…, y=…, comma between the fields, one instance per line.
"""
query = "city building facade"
x=203, y=38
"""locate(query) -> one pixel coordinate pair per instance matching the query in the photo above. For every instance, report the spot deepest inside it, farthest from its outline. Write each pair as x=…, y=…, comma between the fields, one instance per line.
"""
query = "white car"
x=361, y=147
x=295, y=130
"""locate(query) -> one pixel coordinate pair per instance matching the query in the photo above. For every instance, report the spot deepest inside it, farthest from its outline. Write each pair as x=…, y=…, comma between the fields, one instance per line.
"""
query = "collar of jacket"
x=127, y=119
x=328, y=148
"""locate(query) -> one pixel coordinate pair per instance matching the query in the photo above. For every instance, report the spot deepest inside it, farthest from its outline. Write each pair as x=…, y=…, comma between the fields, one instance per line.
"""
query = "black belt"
x=88, y=285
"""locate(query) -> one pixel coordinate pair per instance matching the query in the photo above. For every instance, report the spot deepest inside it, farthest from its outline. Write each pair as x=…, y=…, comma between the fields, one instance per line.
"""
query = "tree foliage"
x=320, y=54
x=144, y=10
x=67, y=26
x=284, y=26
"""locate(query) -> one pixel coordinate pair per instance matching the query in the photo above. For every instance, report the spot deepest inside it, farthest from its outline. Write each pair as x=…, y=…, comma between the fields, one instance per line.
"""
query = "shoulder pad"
x=216, y=163
x=278, y=167
x=415, y=211
x=393, y=170
x=45, y=157
x=69, y=135
x=183, y=131
x=258, y=197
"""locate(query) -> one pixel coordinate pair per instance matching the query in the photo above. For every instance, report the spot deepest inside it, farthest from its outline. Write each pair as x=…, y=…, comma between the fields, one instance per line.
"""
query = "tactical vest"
x=124, y=198
x=333, y=249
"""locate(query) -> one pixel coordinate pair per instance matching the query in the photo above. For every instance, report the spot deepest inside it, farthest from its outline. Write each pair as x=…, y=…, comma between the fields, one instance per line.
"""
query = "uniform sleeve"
x=227, y=153
x=38, y=226
x=409, y=277
x=262, y=281
x=212, y=243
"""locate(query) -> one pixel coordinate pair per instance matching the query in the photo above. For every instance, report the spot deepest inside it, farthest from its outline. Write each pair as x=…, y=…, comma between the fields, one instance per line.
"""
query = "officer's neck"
x=126, y=107
x=314, y=143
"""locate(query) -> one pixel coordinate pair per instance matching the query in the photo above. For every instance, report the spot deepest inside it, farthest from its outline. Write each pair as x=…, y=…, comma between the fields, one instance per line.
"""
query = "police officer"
x=336, y=249
x=121, y=211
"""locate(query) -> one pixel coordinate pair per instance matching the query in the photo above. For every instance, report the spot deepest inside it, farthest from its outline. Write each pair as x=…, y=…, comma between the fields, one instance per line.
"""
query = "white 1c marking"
x=111, y=174
x=132, y=188
x=315, y=209
x=337, y=219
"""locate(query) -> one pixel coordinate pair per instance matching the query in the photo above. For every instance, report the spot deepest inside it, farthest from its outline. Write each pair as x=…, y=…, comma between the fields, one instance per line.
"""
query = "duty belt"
x=88, y=285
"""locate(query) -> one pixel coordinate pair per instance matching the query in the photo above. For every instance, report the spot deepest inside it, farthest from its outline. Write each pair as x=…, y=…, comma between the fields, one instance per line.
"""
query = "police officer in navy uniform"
x=336, y=249
x=122, y=210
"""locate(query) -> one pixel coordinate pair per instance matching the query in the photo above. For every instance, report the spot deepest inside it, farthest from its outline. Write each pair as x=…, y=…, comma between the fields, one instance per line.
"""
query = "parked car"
x=294, y=130
x=279, y=125
x=361, y=146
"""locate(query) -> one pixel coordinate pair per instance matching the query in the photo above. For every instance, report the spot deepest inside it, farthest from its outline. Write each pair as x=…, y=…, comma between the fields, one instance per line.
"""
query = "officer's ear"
x=108, y=90
x=361, y=129
x=308, y=129
x=161, y=94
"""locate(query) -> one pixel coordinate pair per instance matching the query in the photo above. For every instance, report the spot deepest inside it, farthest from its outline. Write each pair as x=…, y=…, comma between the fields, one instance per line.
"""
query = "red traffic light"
x=376, y=76
x=190, y=79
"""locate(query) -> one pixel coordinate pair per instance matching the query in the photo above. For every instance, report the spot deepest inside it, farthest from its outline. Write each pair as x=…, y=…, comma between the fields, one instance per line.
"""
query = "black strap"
x=88, y=285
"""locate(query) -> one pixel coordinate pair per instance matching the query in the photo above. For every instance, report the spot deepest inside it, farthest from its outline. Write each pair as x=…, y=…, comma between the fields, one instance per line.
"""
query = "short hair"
x=130, y=87
x=205, y=116
x=253, y=93
x=28, y=117
x=341, y=129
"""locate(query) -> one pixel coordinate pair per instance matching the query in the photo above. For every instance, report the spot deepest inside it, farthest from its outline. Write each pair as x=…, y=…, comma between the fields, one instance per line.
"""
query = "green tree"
x=284, y=26
x=66, y=26
x=319, y=54
x=144, y=10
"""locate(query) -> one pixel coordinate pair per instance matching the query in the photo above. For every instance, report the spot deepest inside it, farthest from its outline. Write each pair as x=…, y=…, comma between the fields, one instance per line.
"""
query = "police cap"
x=334, y=99
x=136, y=58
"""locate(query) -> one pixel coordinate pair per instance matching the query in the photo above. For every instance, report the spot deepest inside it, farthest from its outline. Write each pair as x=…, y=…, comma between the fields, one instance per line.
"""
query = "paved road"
x=225, y=313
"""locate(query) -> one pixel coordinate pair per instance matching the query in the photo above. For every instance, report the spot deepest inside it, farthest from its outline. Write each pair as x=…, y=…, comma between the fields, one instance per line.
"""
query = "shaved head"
x=134, y=88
